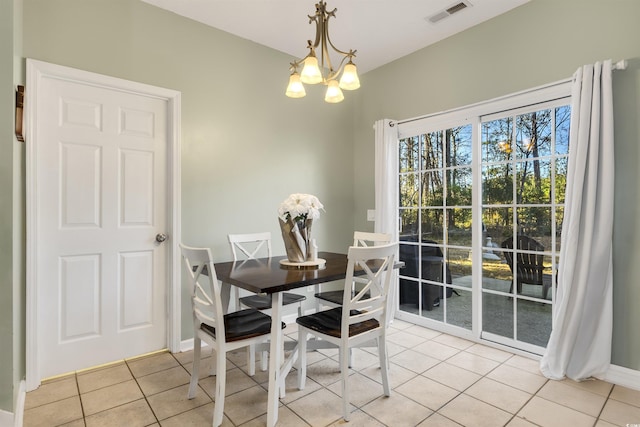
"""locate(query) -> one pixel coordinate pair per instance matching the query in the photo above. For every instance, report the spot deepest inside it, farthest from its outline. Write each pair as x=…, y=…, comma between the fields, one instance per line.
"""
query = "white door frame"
x=36, y=71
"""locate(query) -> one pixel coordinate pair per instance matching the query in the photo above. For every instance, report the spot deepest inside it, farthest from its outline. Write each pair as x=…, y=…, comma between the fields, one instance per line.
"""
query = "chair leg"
x=214, y=362
x=251, y=360
x=283, y=382
x=236, y=298
x=264, y=360
x=221, y=380
x=344, y=371
x=349, y=357
x=195, y=369
x=302, y=357
x=384, y=364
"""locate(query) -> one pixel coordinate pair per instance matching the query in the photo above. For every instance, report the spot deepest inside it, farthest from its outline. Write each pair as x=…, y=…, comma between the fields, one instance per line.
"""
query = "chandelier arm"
x=318, y=30
x=334, y=73
x=345, y=55
x=325, y=51
x=293, y=66
x=351, y=53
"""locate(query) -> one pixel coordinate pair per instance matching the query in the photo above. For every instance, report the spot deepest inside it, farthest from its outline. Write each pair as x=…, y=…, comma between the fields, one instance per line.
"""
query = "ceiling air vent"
x=457, y=7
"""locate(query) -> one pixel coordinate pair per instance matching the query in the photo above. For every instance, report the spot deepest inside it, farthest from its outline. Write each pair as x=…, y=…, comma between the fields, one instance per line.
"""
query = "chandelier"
x=324, y=73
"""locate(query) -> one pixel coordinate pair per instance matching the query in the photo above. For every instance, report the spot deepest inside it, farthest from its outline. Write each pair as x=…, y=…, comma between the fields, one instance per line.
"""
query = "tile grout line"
x=84, y=417
x=461, y=392
x=143, y=393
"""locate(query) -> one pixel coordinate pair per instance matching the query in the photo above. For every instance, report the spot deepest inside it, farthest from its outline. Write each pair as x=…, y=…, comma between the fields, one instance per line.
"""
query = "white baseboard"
x=187, y=345
x=6, y=419
x=19, y=409
x=14, y=419
x=624, y=377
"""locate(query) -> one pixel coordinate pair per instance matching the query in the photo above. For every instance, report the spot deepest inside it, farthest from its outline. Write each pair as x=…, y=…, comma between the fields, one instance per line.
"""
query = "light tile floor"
x=437, y=379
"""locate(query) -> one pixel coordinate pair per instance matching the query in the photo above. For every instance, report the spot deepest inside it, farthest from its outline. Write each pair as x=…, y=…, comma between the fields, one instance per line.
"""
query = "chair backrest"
x=204, y=289
x=367, y=239
x=250, y=246
x=529, y=265
x=372, y=268
x=364, y=238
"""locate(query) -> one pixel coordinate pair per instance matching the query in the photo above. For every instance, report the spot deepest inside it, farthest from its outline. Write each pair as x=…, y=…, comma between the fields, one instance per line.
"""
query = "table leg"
x=317, y=290
x=225, y=296
x=275, y=359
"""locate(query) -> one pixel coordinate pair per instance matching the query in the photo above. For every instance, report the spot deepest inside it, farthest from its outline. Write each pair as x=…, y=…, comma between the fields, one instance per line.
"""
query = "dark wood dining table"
x=268, y=276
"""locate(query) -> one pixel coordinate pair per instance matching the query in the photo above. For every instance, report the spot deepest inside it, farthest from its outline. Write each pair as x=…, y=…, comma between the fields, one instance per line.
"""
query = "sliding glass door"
x=480, y=214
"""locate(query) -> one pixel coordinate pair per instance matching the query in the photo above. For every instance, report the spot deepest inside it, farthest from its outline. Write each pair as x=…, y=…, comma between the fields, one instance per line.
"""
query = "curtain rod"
x=620, y=65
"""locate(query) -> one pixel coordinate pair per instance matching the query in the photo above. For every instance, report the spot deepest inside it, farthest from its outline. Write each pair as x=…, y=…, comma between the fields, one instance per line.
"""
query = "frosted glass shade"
x=311, y=72
x=334, y=94
x=295, y=89
x=349, y=79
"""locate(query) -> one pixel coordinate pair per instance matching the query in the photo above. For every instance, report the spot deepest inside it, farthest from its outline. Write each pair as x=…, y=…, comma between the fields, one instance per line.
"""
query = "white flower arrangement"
x=296, y=215
x=300, y=207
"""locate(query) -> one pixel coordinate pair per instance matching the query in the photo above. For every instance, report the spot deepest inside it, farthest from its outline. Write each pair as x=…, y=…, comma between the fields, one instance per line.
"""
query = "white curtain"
x=386, y=188
x=580, y=343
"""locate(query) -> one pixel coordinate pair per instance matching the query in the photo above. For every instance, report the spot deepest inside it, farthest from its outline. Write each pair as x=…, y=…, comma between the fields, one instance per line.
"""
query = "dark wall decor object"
x=19, y=115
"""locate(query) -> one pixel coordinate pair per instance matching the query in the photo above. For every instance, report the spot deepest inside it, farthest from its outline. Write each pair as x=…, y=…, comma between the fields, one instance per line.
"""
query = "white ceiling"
x=380, y=30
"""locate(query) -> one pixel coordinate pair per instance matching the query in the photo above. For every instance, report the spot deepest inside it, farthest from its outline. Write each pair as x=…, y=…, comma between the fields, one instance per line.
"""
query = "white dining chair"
x=223, y=332
x=362, y=239
x=253, y=246
x=362, y=317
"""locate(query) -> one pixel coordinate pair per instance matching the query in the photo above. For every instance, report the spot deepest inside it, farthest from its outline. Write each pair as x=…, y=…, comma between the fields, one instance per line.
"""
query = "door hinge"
x=19, y=113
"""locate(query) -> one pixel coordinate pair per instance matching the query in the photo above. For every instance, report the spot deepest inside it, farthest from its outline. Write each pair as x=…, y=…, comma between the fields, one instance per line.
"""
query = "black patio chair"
x=529, y=268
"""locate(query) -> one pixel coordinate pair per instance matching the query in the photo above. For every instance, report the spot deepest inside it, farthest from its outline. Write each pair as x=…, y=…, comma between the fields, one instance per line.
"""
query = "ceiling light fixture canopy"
x=323, y=72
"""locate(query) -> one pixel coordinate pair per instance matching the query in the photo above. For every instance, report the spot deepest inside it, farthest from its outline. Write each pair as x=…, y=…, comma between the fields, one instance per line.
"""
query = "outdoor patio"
x=534, y=317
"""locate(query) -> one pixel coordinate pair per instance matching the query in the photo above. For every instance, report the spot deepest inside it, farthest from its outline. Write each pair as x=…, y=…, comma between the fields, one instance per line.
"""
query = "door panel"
x=136, y=289
x=102, y=186
x=79, y=297
x=137, y=188
x=80, y=200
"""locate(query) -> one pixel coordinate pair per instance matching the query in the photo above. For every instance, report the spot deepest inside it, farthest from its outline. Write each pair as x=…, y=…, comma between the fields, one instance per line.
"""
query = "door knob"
x=161, y=237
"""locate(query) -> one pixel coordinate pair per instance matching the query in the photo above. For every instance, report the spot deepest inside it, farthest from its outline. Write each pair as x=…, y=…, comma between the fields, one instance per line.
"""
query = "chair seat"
x=328, y=322
x=334, y=297
x=263, y=302
x=243, y=324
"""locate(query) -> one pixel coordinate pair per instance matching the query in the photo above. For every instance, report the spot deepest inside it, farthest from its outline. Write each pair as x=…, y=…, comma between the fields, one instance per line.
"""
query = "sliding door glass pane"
x=524, y=164
x=436, y=184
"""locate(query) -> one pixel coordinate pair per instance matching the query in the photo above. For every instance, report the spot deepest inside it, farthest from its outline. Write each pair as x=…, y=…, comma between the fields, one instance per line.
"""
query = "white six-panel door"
x=102, y=185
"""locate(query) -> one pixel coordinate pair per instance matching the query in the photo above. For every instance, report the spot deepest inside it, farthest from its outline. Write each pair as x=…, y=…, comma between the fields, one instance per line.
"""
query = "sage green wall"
x=540, y=42
x=245, y=146
x=6, y=205
x=19, y=219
